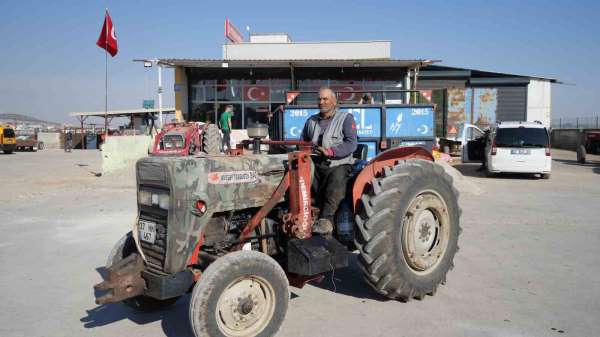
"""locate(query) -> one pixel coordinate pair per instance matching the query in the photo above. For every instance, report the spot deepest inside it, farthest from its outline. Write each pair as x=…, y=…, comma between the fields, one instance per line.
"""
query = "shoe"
x=322, y=227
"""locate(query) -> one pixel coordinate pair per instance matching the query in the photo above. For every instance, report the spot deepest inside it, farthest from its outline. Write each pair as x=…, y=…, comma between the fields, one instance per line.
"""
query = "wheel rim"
x=426, y=232
x=245, y=307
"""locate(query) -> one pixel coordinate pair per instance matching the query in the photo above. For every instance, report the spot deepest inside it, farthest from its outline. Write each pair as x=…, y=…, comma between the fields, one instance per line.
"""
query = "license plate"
x=147, y=231
x=520, y=151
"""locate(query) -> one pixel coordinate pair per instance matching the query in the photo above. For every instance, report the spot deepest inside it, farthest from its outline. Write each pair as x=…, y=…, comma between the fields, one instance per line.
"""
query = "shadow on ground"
x=349, y=281
x=472, y=170
x=593, y=164
x=174, y=319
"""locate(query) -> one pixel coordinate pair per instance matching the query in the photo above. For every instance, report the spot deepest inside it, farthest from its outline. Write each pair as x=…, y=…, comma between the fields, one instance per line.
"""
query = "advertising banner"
x=409, y=122
x=368, y=121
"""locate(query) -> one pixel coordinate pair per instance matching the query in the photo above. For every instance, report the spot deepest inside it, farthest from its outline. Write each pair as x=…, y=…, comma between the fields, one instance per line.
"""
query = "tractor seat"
x=361, y=152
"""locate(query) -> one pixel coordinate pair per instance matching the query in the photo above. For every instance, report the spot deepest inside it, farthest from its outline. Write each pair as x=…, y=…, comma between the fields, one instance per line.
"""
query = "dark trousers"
x=226, y=139
x=329, y=188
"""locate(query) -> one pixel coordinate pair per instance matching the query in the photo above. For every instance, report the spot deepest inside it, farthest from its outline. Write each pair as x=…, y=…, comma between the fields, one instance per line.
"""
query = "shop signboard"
x=148, y=104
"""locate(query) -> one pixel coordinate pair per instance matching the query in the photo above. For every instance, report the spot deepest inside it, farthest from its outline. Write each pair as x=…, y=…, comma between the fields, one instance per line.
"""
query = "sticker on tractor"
x=234, y=177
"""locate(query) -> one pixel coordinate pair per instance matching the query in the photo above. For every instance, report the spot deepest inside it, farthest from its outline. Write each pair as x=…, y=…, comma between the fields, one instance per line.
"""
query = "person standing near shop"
x=225, y=125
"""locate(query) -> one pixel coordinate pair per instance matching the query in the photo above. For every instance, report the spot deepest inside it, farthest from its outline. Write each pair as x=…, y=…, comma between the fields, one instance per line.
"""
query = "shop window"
x=257, y=113
x=197, y=94
x=310, y=85
x=229, y=90
x=279, y=88
x=203, y=112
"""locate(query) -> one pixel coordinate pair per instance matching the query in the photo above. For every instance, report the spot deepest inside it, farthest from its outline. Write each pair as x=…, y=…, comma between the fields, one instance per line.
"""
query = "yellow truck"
x=8, y=140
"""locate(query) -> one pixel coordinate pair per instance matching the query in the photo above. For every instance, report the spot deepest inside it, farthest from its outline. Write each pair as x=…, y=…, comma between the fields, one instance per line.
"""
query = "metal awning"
x=122, y=113
x=312, y=63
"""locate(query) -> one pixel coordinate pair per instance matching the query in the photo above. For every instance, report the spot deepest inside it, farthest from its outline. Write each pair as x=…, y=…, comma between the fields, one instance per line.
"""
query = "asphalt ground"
x=528, y=263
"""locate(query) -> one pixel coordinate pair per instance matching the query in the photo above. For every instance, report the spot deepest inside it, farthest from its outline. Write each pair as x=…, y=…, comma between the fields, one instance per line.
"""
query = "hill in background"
x=27, y=121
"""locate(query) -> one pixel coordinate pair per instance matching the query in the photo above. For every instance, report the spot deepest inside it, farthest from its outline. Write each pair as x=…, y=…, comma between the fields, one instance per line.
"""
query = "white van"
x=516, y=147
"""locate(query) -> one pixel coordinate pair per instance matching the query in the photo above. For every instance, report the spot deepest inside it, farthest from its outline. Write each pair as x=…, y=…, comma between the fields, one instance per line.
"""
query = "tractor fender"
x=385, y=159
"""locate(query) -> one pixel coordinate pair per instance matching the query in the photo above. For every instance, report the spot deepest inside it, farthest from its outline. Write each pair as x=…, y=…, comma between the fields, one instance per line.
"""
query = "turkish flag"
x=256, y=93
x=353, y=93
x=108, y=41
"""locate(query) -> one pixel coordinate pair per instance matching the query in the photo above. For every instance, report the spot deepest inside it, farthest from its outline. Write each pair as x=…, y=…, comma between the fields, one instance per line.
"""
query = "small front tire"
x=244, y=293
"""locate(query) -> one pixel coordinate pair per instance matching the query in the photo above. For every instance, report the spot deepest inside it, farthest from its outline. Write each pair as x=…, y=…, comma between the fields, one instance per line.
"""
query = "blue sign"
x=368, y=121
x=293, y=121
x=372, y=151
x=409, y=122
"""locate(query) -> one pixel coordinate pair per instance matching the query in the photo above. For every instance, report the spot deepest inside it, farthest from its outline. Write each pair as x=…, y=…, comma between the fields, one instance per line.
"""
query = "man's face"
x=326, y=101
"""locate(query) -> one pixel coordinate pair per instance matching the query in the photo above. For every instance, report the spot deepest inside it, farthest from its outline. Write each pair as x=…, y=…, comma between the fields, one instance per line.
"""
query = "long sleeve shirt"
x=350, y=140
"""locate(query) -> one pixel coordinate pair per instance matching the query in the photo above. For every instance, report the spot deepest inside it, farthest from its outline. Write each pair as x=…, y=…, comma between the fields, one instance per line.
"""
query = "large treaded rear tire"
x=211, y=139
x=410, y=191
x=122, y=249
x=244, y=293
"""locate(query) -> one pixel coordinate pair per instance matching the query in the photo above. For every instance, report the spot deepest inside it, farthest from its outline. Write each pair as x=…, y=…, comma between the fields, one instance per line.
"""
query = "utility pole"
x=160, y=92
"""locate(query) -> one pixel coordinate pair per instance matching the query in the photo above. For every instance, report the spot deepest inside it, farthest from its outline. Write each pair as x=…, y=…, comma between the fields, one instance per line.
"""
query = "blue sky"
x=50, y=65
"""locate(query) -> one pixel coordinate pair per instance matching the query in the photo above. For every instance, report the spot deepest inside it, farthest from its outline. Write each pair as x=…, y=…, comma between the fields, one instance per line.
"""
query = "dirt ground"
x=528, y=264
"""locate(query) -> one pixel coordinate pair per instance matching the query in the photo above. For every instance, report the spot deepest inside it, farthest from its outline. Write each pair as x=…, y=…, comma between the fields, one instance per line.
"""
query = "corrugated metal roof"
x=217, y=63
x=115, y=113
x=441, y=69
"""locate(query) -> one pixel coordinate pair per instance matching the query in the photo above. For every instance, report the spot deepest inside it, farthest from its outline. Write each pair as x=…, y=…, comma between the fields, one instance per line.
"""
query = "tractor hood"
x=223, y=183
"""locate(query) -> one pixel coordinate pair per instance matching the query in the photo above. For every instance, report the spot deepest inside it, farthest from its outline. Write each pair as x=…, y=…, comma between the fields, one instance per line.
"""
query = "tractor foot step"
x=315, y=255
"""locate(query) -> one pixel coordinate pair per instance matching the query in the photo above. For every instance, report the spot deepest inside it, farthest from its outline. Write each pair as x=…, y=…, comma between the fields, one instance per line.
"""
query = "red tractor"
x=589, y=143
x=184, y=139
x=235, y=230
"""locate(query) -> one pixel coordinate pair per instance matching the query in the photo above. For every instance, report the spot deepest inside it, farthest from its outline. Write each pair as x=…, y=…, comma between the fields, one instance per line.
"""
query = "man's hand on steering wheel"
x=324, y=152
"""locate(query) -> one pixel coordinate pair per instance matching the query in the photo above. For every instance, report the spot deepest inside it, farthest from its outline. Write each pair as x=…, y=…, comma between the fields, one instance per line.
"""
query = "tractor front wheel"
x=408, y=228
x=244, y=293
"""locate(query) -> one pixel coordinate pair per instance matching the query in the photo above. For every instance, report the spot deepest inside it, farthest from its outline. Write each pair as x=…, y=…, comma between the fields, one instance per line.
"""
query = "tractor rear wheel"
x=211, y=139
x=122, y=249
x=408, y=228
x=244, y=293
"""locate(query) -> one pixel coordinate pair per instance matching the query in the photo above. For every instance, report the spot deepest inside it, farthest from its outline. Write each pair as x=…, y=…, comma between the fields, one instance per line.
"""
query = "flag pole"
x=105, y=76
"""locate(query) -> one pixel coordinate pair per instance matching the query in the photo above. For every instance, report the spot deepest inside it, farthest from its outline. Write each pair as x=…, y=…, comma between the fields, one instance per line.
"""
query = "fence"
x=591, y=122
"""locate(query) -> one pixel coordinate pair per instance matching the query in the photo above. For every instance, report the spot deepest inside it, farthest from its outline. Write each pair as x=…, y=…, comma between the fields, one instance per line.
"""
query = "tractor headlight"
x=145, y=198
x=163, y=201
x=154, y=199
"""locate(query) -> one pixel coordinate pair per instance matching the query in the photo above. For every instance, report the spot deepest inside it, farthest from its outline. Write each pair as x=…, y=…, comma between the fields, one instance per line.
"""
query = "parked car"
x=513, y=147
x=453, y=144
x=589, y=143
x=28, y=141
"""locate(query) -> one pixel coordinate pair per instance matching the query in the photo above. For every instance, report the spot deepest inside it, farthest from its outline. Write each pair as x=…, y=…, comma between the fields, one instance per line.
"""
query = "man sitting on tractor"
x=334, y=135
